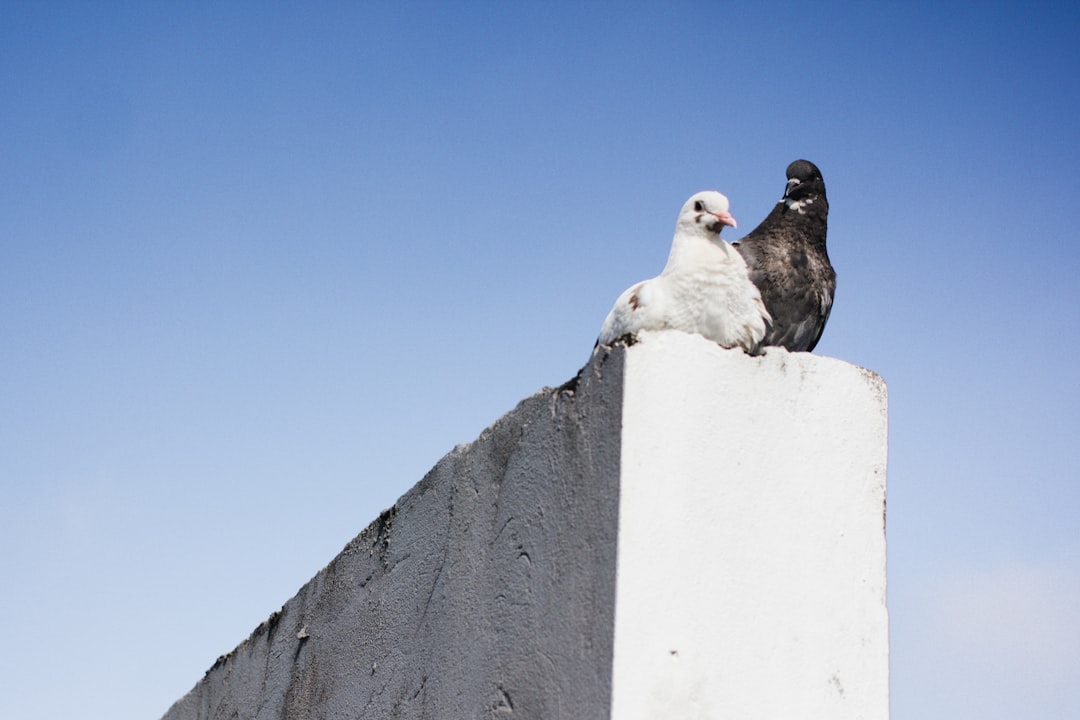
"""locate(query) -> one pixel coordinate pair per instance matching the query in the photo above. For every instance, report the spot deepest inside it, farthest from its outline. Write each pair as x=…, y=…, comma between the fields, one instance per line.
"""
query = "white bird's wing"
x=630, y=312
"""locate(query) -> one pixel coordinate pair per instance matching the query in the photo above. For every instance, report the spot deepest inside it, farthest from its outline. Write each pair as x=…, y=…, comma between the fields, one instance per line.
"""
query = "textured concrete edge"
x=583, y=414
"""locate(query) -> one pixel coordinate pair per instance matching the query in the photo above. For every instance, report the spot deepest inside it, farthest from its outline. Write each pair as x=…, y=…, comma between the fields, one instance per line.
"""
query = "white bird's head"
x=706, y=212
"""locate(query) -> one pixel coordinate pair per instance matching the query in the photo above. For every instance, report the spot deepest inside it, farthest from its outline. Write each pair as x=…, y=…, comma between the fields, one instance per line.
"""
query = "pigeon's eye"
x=698, y=206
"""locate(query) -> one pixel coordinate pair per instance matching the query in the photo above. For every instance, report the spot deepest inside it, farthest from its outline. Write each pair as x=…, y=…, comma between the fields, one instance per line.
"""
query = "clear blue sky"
x=263, y=264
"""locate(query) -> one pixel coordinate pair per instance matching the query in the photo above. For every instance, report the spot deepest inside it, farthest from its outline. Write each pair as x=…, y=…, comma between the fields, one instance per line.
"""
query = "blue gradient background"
x=263, y=264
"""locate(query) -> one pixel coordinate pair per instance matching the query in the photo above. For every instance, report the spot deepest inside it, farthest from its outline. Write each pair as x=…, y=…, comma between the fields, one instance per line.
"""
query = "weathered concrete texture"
x=488, y=589
x=682, y=532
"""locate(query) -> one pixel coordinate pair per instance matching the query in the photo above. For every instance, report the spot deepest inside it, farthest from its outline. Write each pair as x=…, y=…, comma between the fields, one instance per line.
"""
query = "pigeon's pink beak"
x=725, y=218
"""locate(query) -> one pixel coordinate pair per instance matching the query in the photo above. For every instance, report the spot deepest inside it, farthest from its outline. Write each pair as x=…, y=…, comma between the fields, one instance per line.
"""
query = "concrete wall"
x=681, y=532
x=751, y=559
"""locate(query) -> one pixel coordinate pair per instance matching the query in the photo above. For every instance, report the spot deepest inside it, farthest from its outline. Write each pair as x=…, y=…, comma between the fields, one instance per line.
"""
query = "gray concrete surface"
x=487, y=590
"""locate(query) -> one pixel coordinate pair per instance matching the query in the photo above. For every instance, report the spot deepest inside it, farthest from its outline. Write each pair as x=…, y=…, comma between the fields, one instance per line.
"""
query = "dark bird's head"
x=804, y=184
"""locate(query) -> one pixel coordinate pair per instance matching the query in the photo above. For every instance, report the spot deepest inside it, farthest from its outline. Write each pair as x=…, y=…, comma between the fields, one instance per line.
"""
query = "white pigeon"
x=705, y=287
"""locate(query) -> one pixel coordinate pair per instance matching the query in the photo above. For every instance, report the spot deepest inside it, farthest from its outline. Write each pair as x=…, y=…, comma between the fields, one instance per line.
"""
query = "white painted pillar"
x=751, y=544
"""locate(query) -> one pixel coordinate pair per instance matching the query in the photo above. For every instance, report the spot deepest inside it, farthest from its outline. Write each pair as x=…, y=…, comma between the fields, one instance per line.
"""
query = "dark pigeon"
x=789, y=264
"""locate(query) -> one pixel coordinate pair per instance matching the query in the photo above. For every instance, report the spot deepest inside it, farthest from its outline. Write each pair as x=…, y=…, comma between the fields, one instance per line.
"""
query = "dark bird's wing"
x=801, y=311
